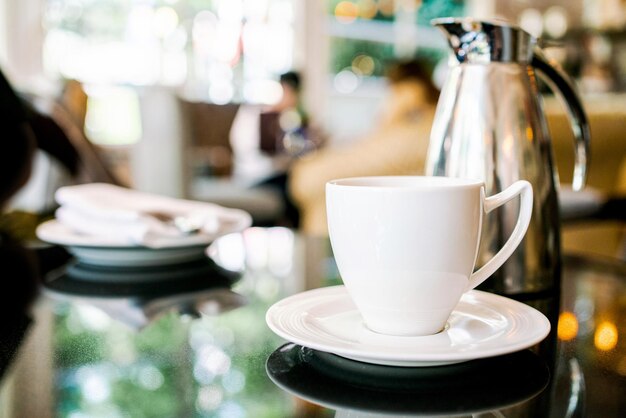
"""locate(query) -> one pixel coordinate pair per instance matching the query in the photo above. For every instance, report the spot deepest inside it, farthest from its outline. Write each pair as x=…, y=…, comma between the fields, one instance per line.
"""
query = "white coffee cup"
x=406, y=246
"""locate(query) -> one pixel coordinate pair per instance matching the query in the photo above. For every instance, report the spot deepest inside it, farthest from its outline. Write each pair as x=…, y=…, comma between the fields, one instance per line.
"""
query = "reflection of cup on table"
x=406, y=246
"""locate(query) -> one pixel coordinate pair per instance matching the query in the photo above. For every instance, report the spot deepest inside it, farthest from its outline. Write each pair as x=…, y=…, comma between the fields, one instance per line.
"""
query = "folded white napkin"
x=138, y=218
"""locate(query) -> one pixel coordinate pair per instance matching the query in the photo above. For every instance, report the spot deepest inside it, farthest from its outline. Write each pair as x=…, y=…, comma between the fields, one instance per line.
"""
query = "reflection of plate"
x=87, y=280
x=482, y=325
x=112, y=252
x=137, y=296
x=471, y=387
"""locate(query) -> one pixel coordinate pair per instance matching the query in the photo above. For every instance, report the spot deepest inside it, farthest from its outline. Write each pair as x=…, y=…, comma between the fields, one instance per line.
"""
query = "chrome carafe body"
x=490, y=125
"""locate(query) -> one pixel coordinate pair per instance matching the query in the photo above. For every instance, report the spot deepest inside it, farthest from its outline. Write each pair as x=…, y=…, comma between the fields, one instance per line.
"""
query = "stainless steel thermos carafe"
x=490, y=125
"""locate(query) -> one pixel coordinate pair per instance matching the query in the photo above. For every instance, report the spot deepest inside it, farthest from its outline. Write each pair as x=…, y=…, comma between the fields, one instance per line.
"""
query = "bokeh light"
x=531, y=21
x=231, y=409
x=346, y=82
x=363, y=65
x=229, y=252
x=555, y=21
x=209, y=398
x=290, y=120
x=234, y=381
x=204, y=30
x=165, y=21
x=568, y=326
x=113, y=116
x=92, y=318
x=280, y=258
x=606, y=336
x=150, y=378
x=367, y=9
x=94, y=385
x=346, y=12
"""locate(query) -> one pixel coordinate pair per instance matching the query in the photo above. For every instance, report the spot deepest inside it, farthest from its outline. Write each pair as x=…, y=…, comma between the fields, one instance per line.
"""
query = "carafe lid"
x=485, y=41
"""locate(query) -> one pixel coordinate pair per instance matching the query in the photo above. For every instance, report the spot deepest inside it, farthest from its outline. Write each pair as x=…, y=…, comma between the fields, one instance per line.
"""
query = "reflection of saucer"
x=473, y=387
x=137, y=296
x=482, y=325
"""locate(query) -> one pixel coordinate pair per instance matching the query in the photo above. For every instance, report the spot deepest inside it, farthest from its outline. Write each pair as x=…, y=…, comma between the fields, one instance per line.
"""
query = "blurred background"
x=170, y=92
x=198, y=99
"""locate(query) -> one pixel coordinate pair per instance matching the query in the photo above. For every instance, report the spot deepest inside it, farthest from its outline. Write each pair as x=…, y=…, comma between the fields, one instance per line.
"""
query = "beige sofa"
x=607, y=172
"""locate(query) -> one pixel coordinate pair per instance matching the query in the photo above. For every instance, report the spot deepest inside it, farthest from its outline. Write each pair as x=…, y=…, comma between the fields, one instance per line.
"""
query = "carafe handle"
x=560, y=82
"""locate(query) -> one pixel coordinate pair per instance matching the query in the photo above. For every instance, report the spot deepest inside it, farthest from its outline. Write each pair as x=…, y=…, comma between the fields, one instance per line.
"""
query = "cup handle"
x=525, y=191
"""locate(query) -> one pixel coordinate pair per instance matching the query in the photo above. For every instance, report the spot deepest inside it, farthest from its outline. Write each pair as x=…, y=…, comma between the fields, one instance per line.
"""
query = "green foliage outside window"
x=343, y=51
x=432, y=9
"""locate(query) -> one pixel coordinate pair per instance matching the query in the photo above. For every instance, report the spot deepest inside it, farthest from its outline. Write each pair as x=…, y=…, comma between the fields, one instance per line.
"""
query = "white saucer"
x=104, y=251
x=482, y=325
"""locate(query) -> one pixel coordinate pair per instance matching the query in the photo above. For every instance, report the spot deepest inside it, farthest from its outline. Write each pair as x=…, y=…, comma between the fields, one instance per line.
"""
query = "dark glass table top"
x=191, y=341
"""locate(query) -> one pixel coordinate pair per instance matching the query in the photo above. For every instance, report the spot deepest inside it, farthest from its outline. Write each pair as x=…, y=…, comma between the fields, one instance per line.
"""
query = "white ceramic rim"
x=404, y=183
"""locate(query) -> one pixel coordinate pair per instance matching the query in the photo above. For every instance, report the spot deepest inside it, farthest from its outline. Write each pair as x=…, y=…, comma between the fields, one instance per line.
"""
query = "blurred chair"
x=210, y=160
x=208, y=129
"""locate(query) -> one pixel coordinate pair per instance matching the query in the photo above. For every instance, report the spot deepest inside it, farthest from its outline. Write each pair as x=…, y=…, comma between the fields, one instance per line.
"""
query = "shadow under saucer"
x=343, y=384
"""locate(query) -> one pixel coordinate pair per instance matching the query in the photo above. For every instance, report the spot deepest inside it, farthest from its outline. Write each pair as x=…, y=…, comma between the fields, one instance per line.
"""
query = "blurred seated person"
x=285, y=128
x=22, y=134
x=22, y=268
x=290, y=99
x=30, y=129
x=18, y=144
x=285, y=133
x=396, y=146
